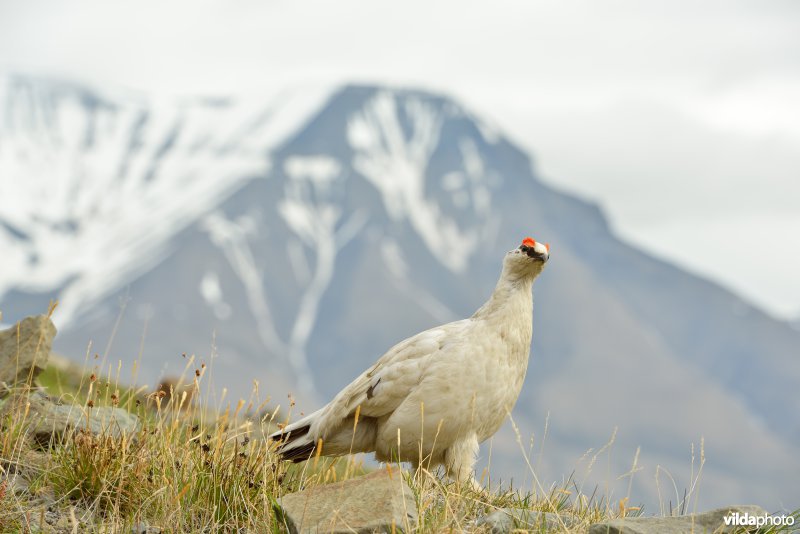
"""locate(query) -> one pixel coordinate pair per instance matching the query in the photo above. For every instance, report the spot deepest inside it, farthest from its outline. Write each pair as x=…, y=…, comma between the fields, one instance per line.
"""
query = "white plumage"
x=434, y=397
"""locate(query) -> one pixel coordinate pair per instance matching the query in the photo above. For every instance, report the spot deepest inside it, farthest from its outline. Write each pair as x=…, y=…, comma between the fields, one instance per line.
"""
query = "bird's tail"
x=295, y=442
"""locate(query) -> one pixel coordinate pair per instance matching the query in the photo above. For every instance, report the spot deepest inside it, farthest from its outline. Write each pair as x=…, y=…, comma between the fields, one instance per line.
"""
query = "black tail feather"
x=295, y=454
x=288, y=437
x=299, y=454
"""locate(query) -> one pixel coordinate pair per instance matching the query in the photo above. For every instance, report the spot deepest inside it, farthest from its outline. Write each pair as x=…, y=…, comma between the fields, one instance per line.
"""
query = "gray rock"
x=713, y=521
x=50, y=419
x=24, y=353
x=25, y=348
x=17, y=485
x=51, y=516
x=378, y=502
x=508, y=519
x=143, y=528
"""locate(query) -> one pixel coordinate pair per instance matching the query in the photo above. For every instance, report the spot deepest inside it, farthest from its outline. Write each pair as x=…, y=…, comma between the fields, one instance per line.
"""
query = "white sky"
x=681, y=118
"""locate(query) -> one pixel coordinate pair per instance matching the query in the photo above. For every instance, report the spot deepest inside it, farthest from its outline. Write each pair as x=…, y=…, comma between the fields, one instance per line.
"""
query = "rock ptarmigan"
x=434, y=397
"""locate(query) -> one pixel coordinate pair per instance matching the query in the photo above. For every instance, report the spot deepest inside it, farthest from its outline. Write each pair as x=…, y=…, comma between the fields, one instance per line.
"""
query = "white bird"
x=434, y=397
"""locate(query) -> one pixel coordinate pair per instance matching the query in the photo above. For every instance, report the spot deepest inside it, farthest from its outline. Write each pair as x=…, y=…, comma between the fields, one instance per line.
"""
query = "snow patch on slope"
x=320, y=170
x=211, y=291
x=95, y=186
x=311, y=211
x=395, y=160
x=232, y=237
x=394, y=259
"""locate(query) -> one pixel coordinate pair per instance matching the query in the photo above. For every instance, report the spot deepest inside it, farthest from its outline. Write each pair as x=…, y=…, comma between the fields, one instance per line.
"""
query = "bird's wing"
x=381, y=388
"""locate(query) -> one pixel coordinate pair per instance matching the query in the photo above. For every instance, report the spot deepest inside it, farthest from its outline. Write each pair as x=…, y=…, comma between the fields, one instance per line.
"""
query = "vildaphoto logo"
x=737, y=519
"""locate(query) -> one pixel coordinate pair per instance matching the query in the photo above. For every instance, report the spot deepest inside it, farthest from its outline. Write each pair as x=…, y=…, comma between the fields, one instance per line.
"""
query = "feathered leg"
x=459, y=461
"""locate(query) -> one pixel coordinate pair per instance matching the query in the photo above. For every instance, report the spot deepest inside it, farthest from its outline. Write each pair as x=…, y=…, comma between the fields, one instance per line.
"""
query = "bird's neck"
x=511, y=296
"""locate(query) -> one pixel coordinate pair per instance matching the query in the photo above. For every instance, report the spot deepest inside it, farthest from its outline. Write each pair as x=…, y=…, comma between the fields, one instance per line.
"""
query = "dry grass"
x=182, y=468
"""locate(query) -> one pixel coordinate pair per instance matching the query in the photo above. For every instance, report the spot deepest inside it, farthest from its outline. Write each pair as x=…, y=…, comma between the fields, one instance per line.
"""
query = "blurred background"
x=286, y=189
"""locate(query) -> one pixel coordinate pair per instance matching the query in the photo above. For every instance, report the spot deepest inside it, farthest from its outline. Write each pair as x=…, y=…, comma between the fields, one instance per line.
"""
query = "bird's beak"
x=536, y=253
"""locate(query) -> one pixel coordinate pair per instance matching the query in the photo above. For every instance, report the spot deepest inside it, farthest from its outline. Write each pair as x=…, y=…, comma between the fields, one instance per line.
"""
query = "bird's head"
x=527, y=260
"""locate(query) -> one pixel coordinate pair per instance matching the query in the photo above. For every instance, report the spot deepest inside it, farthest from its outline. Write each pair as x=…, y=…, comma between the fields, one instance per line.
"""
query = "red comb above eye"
x=529, y=242
x=547, y=246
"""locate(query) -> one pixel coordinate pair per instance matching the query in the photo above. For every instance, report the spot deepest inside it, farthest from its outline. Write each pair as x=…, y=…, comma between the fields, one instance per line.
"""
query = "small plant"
x=100, y=470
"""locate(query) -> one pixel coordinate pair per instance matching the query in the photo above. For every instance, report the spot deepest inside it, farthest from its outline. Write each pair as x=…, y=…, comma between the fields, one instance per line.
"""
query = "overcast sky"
x=681, y=118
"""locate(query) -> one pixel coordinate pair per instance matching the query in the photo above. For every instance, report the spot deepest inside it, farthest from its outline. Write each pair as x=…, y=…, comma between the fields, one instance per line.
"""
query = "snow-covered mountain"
x=94, y=186
x=296, y=238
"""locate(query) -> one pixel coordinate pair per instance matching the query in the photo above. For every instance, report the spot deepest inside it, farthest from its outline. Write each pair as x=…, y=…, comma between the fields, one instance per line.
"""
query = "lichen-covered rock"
x=50, y=419
x=713, y=521
x=509, y=519
x=143, y=528
x=378, y=502
x=24, y=349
